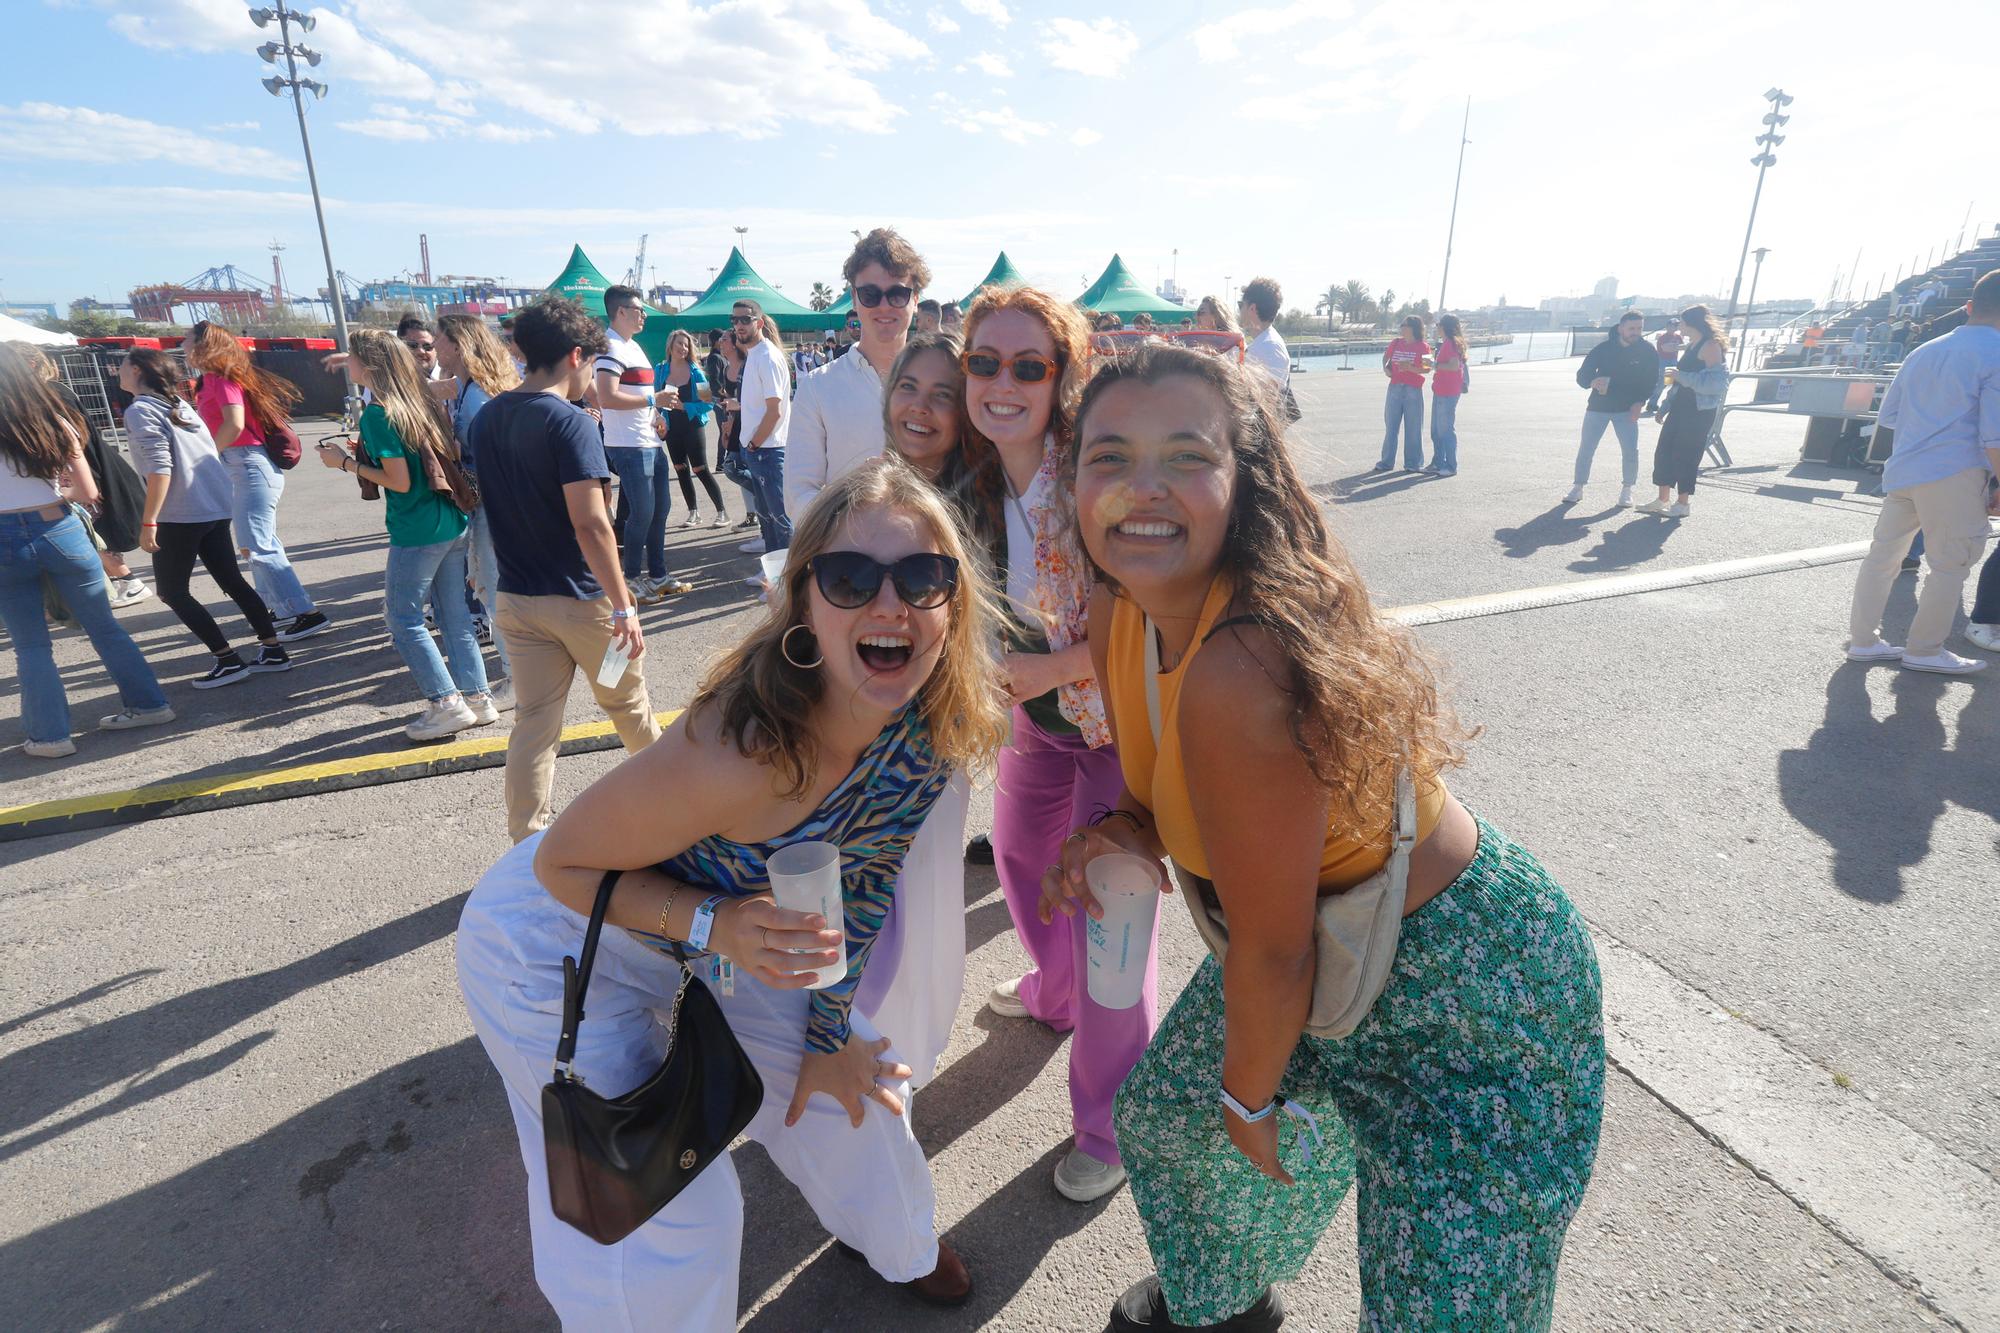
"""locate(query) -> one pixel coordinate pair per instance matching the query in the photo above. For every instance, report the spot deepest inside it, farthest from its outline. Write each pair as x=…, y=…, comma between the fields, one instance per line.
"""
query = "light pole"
x=1750, y=309
x=1764, y=161
x=276, y=87
x=743, y=241
x=1451, y=232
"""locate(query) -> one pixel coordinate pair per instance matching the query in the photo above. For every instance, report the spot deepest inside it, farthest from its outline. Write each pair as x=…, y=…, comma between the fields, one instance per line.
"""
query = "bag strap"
x=576, y=977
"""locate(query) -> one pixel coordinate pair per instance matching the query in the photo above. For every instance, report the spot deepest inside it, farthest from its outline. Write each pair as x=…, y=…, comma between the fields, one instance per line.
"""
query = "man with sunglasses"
x=837, y=418
x=625, y=396
x=418, y=336
x=764, y=404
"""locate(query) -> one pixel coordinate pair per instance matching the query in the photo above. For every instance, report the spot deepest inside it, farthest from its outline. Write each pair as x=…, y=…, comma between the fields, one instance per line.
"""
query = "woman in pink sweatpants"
x=1025, y=363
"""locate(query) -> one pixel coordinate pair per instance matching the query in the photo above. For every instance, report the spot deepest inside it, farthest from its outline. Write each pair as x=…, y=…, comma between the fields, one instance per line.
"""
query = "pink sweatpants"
x=1050, y=785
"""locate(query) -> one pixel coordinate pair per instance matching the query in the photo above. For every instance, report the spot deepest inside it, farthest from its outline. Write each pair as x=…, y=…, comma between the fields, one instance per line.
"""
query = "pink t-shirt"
x=216, y=392
x=1449, y=379
x=1405, y=358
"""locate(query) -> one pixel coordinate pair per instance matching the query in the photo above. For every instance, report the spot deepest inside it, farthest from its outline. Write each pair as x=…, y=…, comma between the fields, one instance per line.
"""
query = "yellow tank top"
x=1155, y=775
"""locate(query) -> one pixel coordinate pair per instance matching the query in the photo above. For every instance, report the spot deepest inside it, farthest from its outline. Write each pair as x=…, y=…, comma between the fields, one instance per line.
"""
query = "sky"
x=1313, y=142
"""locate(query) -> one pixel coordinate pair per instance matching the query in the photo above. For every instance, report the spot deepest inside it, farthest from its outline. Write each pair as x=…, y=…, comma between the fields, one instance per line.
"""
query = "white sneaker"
x=137, y=717
x=755, y=546
x=1625, y=497
x=61, y=749
x=1575, y=496
x=693, y=520
x=1944, y=663
x=722, y=520
x=440, y=720
x=1658, y=507
x=1006, y=1000
x=1678, y=509
x=1081, y=1178
x=124, y=592
x=643, y=589
x=502, y=694
x=1877, y=651
x=1984, y=636
x=484, y=714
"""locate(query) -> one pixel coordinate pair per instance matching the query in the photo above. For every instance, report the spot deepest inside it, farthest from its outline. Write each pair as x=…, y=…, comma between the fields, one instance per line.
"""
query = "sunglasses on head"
x=849, y=579
x=869, y=295
x=1028, y=367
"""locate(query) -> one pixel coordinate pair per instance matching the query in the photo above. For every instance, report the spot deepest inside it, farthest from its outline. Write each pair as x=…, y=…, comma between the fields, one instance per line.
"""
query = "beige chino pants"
x=1952, y=515
x=548, y=640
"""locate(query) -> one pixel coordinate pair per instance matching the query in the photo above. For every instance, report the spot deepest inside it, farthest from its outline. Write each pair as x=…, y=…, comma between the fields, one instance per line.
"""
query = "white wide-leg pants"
x=870, y=1187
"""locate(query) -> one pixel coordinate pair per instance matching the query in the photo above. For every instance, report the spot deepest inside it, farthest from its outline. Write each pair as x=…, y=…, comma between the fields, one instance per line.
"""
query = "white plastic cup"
x=1127, y=887
x=771, y=565
x=805, y=877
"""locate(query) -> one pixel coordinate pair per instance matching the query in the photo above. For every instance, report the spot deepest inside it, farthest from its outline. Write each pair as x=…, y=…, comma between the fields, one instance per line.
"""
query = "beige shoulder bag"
x=1355, y=931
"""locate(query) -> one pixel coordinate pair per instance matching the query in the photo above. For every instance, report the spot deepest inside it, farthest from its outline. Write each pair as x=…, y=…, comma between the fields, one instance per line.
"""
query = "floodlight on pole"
x=262, y=17
x=298, y=87
x=743, y=239
x=1764, y=161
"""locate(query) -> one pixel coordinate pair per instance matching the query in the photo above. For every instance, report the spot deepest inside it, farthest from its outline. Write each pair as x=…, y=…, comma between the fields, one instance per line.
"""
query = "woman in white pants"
x=839, y=719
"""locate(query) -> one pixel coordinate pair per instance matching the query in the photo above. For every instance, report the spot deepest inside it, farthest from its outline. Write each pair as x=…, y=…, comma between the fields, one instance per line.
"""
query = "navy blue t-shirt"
x=530, y=446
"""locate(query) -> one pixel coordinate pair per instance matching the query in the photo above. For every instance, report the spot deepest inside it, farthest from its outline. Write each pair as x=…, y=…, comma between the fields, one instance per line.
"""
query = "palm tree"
x=1388, y=304
x=1352, y=299
x=1328, y=304
x=822, y=296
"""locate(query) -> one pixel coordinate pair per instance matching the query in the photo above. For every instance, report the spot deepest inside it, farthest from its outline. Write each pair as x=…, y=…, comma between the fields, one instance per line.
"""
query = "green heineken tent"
x=839, y=310
x=1002, y=274
x=583, y=283
x=1119, y=293
x=736, y=282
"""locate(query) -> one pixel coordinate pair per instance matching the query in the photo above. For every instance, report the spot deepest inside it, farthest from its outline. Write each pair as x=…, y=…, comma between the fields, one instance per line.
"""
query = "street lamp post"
x=1451, y=232
x=1750, y=307
x=1764, y=161
x=743, y=241
x=276, y=87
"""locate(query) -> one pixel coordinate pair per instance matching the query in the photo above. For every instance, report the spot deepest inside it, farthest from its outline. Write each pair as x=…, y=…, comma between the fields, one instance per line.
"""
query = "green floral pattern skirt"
x=1467, y=1104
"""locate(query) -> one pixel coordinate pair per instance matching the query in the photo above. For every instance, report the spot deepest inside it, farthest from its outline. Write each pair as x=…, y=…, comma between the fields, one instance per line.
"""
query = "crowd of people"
x=987, y=551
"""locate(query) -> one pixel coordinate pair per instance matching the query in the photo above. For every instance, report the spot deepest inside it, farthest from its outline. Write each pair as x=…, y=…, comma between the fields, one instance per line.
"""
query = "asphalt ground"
x=242, y=1092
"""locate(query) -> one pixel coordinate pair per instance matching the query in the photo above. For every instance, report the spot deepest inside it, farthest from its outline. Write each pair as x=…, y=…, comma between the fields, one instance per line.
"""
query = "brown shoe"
x=948, y=1285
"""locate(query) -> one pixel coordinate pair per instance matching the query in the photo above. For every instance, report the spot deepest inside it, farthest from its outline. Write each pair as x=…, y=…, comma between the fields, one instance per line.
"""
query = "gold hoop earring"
x=785, y=649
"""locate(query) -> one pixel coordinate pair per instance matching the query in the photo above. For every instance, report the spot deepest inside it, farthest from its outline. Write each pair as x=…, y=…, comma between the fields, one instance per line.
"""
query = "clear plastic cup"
x=805, y=877
x=1116, y=947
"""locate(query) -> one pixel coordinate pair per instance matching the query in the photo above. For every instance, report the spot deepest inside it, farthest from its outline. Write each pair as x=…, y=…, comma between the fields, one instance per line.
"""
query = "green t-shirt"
x=419, y=516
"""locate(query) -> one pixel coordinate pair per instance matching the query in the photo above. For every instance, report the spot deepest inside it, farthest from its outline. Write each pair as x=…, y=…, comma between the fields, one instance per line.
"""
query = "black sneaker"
x=226, y=671
x=1143, y=1309
x=273, y=658
x=979, y=852
x=304, y=627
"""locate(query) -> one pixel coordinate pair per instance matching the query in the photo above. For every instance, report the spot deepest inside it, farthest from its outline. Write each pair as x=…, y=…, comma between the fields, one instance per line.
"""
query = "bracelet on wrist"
x=667, y=907
x=704, y=920
x=1106, y=816
x=1244, y=1113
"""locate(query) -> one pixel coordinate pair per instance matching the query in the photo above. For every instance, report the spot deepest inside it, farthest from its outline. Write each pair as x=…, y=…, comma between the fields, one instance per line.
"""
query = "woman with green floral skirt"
x=1289, y=734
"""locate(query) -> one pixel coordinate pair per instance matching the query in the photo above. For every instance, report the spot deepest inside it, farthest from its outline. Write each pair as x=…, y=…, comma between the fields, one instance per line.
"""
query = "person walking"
x=727, y=373
x=562, y=603
x=1257, y=314
x=1026, y=358
x=626, y=397
x=1451, y=381
x=837, y=416
x=765, y=403
x=186, y=516
x=1405, y=362
x=1285, y=744
x=838, y=719
x=686, y=425
x=1944, y=406
x=1622, y=374
x=41, y=439
x=237, y=402
x=481, y=369
x=1701, y=382
x=407, y=449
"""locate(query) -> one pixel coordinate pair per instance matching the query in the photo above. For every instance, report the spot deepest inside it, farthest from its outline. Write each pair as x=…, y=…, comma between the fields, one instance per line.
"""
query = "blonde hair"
x=765, y=704
x=486, y=361
x=400, y=392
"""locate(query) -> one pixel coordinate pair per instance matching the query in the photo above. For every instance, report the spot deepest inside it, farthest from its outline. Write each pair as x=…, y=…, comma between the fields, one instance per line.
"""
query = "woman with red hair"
x=238, y=403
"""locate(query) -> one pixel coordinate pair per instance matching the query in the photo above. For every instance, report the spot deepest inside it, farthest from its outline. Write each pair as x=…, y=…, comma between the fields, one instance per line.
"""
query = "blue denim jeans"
x=434, y=574
x=1404, y=407
x=258, y=484
x=645, y=482
x=486, y=582
x=1627, y=431
x=1444, y=432
x=31, y=546
x=767, y=470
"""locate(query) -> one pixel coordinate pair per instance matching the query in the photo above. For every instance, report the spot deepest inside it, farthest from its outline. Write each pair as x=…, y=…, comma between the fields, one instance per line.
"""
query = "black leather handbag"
x=615, y=1161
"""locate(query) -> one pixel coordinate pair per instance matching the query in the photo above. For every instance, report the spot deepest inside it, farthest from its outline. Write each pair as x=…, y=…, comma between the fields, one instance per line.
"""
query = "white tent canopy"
x=14, y=331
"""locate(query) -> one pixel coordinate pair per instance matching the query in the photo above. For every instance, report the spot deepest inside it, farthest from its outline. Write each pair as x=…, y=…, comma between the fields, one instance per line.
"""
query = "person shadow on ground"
x=1560, y=525
x=1621, y=548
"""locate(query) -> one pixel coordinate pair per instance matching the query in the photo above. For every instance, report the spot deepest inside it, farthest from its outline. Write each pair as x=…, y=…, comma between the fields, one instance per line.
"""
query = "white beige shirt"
x=836, y=426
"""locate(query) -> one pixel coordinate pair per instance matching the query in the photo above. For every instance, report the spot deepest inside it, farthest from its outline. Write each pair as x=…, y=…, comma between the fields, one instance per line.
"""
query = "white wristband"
x=1244, y=1113
x=704, y=921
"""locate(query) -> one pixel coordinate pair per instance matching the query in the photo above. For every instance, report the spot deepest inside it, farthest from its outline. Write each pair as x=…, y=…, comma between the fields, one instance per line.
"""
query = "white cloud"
x=1218, y=41
x=402, y=131
x=995, y=10
x=1084, y=138
x=941, y=23
x=233, y=126
x=988, y=62
x=404, y=124
x=1098, y=47
x=45, y=132
x=1002, y=121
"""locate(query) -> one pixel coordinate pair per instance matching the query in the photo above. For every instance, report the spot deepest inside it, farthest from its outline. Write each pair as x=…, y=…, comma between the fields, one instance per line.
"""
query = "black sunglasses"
x=869, y=295
x=850, y=579
x=419, y=347
x=745, y=320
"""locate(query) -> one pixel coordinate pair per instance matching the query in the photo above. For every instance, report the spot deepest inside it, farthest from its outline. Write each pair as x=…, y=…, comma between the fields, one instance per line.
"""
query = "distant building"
x=1605, y=290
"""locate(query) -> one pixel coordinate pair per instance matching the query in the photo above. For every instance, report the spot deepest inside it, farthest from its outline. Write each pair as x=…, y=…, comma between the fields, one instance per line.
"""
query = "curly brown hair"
x=267, y=399
x=886, y=246
x=1365, y=694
